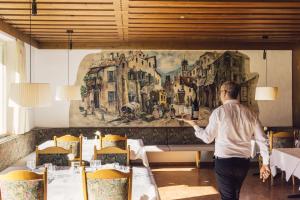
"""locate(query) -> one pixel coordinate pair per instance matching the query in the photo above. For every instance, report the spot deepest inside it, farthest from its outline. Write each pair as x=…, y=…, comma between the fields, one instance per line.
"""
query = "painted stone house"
x=116, y=81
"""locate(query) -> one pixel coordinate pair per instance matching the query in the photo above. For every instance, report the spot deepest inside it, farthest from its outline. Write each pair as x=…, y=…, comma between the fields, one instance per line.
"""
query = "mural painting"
x=152, y=88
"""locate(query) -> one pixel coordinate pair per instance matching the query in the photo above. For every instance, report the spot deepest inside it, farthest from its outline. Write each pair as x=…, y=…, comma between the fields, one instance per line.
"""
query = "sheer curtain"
x=18, y=120
x=3, y=111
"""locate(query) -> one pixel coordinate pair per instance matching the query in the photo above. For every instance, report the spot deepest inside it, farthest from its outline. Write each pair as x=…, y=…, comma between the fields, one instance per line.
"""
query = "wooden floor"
x=188, y=183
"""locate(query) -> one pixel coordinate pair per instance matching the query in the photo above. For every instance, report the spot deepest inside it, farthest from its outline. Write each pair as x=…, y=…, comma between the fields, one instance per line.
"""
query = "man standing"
x=232, y=126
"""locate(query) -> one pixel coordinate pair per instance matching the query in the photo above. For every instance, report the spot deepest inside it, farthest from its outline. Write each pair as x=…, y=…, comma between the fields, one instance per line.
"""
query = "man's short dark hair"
x=232, y=89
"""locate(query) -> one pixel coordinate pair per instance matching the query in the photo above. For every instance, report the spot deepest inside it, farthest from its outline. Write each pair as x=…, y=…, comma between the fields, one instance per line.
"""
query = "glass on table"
x=116, y=165
x=98, y=164
x=31, y=164
x=75, y=166
x=50, y=167
x=93, y=164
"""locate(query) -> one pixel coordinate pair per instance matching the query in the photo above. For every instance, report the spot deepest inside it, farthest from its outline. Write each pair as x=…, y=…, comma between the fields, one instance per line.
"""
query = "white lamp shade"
x=30, y=95
x=68, y=92
x=266, y=93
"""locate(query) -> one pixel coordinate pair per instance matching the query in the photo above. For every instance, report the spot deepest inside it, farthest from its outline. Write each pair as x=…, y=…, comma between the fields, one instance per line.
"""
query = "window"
x=131, y=97
x=110, y=76
x=111, y=96
x=235, y=77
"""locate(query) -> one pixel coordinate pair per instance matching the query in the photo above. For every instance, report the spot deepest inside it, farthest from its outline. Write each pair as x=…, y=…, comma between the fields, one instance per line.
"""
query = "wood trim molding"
x=17, y=34
x=174, y=45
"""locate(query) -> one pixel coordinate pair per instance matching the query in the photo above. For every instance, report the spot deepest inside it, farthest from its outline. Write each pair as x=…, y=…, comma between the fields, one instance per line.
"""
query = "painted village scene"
x=152, y=88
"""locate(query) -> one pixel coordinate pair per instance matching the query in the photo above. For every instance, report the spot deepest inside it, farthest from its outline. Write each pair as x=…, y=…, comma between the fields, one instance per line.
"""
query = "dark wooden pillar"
x=296, y=87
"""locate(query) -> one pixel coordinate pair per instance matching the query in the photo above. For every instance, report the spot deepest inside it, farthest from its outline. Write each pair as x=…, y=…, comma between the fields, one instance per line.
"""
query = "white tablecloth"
x=67, y=185
x=136, y=149
x=287, y=159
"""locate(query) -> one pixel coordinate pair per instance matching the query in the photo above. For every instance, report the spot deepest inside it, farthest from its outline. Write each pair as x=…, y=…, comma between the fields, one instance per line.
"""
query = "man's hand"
x=264, y=172
x=190, y=122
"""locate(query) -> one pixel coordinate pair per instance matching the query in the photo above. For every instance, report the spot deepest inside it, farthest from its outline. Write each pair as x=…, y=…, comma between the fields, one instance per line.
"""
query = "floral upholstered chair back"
x=23, y=185
x=113, y=141
x=109, y=155
x=282, y=140
x=108, y=184
x=69, y=141
x=56, y=155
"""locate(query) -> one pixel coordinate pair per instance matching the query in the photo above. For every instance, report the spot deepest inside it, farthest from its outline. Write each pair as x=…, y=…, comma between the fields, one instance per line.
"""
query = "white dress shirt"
x=233, y=125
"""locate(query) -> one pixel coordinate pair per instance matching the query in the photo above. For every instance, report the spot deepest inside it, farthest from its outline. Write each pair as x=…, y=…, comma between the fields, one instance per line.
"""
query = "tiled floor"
x=186, y=183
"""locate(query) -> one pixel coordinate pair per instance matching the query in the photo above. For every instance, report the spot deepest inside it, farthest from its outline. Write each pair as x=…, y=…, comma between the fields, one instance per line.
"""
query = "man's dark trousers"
x=230, y=174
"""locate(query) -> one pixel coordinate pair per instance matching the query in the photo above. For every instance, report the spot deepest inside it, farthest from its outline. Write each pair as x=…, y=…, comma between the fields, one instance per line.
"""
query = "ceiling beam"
x=53, y=6
x=213, y=4
x=125, y=18
x=60, y=1
x=61, y=12
x=210, y=16
x=171, y=45
x=118, y=17
x=59, y=18
x=17, y=34
x=23, y=22
x=210, y=21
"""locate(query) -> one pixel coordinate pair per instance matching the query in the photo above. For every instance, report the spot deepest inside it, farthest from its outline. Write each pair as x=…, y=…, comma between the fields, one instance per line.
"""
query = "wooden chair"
x=104, y=183
x=68, y=141
x=55, y=155
x=23, y=185
x=112, y=154
x=113, y=140
x=281, y=140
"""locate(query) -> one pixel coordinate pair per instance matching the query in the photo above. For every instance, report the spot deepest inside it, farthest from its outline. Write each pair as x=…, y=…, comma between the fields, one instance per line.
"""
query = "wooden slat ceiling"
x=108, y=22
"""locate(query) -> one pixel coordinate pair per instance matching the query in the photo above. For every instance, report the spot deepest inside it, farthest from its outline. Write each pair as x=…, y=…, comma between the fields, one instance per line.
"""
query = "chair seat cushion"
x=107, y=189
x=22, y=190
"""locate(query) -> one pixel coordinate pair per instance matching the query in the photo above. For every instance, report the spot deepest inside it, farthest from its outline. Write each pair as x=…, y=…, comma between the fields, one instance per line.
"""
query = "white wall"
x=51, y=66
x=278, y=112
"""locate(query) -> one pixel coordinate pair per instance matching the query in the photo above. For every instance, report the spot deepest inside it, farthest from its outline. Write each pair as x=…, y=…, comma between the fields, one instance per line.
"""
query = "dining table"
x=287, y=160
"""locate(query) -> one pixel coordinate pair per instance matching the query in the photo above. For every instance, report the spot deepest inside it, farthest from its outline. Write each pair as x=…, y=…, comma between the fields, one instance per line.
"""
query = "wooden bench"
x=185, y=147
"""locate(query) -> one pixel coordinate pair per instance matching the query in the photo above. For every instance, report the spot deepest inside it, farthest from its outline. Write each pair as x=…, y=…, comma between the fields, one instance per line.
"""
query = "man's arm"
x=208, y=134
x=262, y=142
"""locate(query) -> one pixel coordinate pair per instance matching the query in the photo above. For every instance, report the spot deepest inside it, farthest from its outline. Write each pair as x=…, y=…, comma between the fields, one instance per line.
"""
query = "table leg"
x=198, y=158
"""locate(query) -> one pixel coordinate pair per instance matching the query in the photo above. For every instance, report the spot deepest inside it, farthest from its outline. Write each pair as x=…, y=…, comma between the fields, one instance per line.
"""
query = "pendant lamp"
x=30, y=94
x=68, y=92
x=266, y=93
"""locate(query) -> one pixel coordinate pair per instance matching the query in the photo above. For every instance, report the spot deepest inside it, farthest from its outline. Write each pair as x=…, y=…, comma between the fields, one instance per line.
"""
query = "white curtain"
x=3, y=110
x=18, y=119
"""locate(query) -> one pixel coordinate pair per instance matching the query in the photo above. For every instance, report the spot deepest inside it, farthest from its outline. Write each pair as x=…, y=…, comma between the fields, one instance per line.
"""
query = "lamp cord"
x=69, y=48
x=266, y=69
x=69, y=59
x=30, y=40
